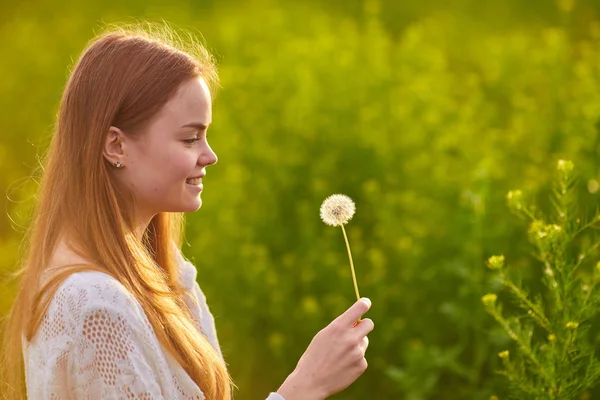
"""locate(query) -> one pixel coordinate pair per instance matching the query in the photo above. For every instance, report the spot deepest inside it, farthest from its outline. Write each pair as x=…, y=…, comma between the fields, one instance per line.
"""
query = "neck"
x=142, y=221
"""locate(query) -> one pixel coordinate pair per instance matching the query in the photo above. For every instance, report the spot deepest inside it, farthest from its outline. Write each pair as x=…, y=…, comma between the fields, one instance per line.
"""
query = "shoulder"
x=89, y=299
x=93, y=287
x=187, y=270
x=88, y=293
x=188, y=276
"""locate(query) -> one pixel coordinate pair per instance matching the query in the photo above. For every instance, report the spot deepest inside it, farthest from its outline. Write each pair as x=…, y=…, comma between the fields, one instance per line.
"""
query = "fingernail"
x=366, y=300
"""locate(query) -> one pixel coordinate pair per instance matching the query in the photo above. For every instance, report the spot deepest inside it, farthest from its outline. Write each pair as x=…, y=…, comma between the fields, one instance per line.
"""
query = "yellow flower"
x=496, y=262
x=548, y=234
x=337, y=209
x=489, y=299
x=537, y=228
x=503, y=354
x=514, y=199
x=551, y=337
x=565, y=166
x=572, y=325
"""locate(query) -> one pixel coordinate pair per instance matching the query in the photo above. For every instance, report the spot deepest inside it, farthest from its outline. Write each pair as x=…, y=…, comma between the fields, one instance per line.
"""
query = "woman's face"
x=165, y=164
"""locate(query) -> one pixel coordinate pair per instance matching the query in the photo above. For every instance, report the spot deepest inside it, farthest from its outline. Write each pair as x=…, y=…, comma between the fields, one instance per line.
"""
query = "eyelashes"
x=200, y=135
x=191, y=141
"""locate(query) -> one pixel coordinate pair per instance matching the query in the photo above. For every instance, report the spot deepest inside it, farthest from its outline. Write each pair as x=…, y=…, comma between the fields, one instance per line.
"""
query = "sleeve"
x=109, y=359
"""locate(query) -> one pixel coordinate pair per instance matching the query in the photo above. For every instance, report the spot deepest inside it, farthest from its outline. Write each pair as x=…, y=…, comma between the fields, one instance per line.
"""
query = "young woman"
x=108, y=308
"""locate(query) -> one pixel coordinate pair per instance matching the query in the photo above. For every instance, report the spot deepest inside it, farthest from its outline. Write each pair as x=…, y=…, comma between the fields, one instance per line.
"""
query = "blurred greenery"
x=425, y=113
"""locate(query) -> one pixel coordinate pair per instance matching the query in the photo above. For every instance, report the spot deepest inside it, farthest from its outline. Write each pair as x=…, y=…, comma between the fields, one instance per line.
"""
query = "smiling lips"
x=194, y=181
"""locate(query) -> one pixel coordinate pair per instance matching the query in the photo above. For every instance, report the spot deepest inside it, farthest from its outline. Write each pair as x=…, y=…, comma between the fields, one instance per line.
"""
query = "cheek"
x=183, y=164
x=177, y=166
x=159, y=170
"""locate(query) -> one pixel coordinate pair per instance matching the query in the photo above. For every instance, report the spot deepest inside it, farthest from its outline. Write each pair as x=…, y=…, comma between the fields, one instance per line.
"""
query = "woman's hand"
x=334, y=359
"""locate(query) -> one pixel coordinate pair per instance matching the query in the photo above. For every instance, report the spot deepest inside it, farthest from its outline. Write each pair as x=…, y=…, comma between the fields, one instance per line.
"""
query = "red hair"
x=122, y=79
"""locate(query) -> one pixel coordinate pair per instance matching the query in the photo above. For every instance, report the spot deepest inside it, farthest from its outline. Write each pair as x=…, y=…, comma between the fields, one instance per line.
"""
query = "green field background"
x=425, y=113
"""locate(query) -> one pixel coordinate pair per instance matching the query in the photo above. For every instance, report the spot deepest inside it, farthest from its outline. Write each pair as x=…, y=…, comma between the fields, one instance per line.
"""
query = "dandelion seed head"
x=337, y=209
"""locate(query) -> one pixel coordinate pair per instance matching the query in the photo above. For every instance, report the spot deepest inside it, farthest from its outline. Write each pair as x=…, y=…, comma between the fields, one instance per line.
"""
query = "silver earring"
x=118, y=164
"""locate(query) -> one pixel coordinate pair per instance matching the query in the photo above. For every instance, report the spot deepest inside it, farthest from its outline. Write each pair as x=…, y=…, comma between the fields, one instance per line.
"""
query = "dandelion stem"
x=351, y=263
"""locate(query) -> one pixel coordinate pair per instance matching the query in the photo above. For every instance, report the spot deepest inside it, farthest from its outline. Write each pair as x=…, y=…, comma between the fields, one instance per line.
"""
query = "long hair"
x=123, y=78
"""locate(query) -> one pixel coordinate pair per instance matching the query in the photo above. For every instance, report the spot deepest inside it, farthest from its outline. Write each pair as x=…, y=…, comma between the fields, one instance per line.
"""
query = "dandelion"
x=503, y=354
x=337, y=210
x=551, y=337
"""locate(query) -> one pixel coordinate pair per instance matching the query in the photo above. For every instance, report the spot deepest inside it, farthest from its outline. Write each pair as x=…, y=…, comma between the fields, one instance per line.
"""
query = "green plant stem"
x=537, y=313
x=351, y=263
x=521, y=343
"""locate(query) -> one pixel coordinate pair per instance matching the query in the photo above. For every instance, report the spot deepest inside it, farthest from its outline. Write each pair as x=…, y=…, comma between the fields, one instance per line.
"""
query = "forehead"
x=191, y=103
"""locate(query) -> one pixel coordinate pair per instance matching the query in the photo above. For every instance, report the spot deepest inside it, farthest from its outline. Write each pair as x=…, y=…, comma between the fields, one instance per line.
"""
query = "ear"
x=113, y=150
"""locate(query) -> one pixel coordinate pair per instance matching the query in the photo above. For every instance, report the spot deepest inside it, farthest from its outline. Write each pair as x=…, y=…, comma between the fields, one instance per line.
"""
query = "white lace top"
x=95, y=342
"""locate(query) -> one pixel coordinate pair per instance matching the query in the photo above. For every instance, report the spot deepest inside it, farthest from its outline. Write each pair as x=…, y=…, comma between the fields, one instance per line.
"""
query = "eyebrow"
x=196, y=125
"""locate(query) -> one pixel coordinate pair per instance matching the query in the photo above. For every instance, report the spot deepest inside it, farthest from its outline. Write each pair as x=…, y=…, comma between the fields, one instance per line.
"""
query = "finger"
x=363, y=365
x=364, y=327
x=354, y=312
x=364, y=343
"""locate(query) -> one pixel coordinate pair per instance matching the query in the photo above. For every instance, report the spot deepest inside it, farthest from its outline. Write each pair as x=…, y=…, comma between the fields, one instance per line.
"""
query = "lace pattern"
x=96, y=342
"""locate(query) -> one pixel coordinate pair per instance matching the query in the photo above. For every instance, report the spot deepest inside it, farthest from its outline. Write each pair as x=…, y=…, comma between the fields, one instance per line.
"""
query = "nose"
x=207, y=156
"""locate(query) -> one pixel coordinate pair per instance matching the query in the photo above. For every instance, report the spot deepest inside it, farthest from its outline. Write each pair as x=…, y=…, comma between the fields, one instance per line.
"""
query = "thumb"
x=349, y=317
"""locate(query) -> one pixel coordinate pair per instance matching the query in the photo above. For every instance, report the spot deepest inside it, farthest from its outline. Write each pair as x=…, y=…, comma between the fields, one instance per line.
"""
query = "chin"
x=195, y=206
